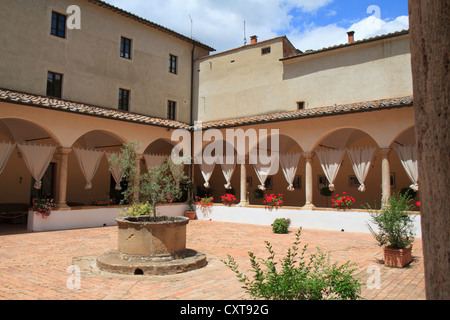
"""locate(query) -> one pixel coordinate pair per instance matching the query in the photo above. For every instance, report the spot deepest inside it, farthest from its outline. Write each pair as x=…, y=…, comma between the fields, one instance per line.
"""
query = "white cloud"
x=220, y=24
x=318, y=37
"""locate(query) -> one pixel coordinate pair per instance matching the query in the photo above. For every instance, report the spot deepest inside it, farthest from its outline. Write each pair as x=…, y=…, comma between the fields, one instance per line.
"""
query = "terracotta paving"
x=36, y=266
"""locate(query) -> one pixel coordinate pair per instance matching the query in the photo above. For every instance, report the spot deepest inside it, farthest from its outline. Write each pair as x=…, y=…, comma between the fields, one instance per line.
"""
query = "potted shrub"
x=281, y=226
x=205, y=205
x=395, y=230
x=190, y=212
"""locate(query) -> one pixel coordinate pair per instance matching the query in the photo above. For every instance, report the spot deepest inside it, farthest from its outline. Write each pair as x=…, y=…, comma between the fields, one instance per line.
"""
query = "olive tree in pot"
x=142, y=232
x=395, y=230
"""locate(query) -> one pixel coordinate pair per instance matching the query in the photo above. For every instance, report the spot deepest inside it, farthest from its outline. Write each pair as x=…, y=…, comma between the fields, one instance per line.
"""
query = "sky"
x=308, y=24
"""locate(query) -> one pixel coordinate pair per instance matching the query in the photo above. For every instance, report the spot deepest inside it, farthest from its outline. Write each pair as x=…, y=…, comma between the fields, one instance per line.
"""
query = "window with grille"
x=54, y=84
x=124, y=99
x=171, y=110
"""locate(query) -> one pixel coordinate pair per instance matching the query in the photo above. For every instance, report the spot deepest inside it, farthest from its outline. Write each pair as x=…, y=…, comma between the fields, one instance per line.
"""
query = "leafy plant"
x=395, y=226
x=161, y=184
x=281, y=226
x=258, y=194
x=294, y=278
x=43, y=206
x=138, y=210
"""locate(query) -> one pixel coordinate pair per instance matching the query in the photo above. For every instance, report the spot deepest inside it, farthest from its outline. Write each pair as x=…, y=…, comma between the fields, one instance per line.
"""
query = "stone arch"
x=25, y=131
x=342, y=138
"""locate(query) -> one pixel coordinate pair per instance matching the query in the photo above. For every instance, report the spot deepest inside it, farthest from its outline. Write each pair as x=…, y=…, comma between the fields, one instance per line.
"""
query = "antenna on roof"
x=245, y=36
x=191, y=25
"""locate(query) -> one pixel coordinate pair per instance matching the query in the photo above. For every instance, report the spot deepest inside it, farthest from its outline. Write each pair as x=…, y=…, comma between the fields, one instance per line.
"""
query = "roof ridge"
x=150, y=23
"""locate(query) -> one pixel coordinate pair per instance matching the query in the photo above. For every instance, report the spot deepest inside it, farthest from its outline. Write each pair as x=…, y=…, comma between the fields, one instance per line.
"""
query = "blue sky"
x=309, y=24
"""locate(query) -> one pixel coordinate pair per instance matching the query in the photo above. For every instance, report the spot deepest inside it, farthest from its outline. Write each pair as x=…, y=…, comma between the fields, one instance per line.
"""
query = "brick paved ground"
x=34, y=265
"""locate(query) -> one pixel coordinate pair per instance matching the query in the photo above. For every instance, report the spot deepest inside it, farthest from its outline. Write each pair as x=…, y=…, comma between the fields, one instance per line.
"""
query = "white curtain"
x=331, y=161
x=117, y=170
x=408, y=157
x=361, y=160
x=37, y=159
x=5, y=152
x=207, y=168
x=228, y=168
x=89, y=161
x=263, y=171
x=154, y=160
x=289, y=163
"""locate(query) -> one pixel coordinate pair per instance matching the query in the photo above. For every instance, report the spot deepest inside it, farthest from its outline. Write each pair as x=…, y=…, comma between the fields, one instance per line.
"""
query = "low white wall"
x=349, y=221
x=88, y=218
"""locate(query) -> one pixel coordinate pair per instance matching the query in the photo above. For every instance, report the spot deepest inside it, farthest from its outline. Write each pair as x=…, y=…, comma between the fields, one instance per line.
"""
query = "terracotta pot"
x=190, y=214
x=397, y=258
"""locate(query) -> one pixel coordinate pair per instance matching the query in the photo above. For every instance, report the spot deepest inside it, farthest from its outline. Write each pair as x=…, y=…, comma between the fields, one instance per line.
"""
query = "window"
x=265, y=50
x=125, y=48
x=173, y=64
x=54, y=84
x=124, y=99
x=301, y=105
x=171, y=110
x=58, y=25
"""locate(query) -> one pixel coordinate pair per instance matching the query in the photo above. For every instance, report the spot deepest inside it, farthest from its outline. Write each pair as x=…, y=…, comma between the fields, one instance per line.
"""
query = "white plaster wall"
x=349, y=221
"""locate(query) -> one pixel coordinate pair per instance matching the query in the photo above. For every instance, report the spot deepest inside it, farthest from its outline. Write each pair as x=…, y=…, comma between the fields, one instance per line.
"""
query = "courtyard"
x=41, y=266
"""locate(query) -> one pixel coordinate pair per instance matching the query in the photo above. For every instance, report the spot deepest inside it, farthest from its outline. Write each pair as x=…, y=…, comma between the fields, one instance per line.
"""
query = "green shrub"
x=298, y=279
x=280, y=226
x=395, y=226
x=138, y=210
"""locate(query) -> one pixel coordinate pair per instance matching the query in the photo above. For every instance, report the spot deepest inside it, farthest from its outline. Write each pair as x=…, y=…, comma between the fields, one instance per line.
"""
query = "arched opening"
x=403, y=177
x=17, y=184
x=346, y=178
x=90, y=182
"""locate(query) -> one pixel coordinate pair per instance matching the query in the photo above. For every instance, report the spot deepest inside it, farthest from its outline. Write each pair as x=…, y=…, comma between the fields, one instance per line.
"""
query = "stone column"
x=309, y=156
x=385, y=175
x=63, y=154
x=243, y=201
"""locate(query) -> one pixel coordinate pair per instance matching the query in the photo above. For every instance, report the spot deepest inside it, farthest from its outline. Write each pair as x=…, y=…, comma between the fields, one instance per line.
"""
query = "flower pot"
x=190, y=214
x=397, y=258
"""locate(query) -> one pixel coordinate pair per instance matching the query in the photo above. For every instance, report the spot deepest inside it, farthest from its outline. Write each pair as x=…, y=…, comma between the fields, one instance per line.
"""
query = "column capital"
x=385, y=151
x=309, y=155
x=63, y=150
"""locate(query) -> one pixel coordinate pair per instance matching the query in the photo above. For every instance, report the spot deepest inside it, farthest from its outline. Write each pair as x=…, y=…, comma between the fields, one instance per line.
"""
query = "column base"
x=242, y=204
x=308, y=206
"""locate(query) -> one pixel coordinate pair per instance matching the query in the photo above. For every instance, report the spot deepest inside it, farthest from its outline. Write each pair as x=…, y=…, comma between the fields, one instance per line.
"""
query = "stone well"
x=151, y=246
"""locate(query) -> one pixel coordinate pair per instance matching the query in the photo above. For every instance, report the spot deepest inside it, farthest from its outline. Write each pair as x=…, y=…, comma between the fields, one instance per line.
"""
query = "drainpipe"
x=191, y=124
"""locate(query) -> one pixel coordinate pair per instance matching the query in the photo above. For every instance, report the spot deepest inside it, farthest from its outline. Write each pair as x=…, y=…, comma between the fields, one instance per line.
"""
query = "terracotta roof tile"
x=310, y=113
x=63, y=105
x=79, y=108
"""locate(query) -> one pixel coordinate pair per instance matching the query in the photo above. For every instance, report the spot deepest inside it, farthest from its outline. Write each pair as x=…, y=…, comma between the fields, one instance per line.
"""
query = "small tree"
x=161, y=184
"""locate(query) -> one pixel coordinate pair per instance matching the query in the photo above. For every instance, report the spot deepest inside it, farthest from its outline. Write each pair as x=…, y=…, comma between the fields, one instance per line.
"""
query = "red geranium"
x=344, y=201
x=273, y=200
x=228, y=199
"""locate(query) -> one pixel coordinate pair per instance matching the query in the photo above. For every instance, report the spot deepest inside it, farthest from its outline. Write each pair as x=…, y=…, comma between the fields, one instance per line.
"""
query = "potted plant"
x=190, y=212
x=395, y=230
x=43, y=206
x=343, y=201
x=205, y=205
x=228, y=199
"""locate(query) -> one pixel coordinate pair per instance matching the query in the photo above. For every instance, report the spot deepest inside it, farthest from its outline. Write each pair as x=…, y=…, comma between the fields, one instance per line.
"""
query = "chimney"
x=351, y=36
x=254, y=39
